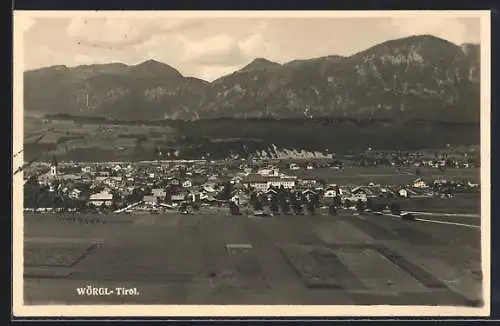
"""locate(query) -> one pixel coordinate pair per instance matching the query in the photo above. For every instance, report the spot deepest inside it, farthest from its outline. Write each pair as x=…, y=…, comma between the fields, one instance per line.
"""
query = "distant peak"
x=154, y=66
x=151, y=62
x=260, y=64
x=264, y=60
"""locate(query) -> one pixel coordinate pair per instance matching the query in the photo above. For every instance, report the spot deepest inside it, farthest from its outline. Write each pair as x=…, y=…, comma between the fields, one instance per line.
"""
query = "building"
x=419, y=183
x=403, y=193
x=53, y=167
x=103, y=198
x=331, y=192
x=75, y=193
x=308, y=182
x=262, y=183
x=358, y=196
x=174, y=181
x=363, y=191
x=272, y=171
x=285, y=182
x=150, y=200
x=159, y=192
x=178, y=198
x=256, y=181
x=236, y=200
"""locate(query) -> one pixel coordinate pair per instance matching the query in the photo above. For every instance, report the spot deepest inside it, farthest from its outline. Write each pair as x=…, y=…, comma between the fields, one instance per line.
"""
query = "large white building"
x=102, y=198
x=262, y=183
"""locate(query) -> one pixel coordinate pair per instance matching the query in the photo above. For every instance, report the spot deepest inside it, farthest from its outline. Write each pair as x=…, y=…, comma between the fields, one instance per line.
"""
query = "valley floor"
x=213, y=259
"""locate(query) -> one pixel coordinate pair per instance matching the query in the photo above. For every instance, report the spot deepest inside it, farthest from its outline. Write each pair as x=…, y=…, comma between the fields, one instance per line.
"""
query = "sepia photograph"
x=277, y=163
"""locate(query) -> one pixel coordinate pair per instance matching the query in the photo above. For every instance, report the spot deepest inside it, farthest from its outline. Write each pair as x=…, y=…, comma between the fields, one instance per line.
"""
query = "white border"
x=20, y=310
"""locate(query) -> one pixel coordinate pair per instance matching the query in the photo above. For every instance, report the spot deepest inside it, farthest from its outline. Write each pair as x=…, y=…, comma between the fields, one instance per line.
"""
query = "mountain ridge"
x=414, y=77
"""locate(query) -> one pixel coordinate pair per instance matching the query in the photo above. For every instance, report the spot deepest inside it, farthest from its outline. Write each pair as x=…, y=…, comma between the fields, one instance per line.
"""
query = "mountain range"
x=412, y=78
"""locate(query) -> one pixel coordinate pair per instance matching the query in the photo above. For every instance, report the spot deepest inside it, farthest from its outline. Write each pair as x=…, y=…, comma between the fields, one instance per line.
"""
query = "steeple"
x=53, y=167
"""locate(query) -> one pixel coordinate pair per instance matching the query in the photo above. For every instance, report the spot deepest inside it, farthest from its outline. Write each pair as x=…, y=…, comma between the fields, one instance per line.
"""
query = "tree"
x=135, y=196
x=274, y=205
x=234, y=209
x=282, y=200
x=395, y=209
x=360, y=206
x=255, y=202
x=332, y=210
x=285, y=207
x=311, y=208
x=315, y=200
x=337, y=202
x=196, y=206
x=113, y=206
x=226, y=192
x=295, y=204
x=369, y=204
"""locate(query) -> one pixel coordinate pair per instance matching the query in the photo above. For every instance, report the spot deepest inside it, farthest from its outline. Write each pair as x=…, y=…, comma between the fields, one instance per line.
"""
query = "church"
x=52, y=175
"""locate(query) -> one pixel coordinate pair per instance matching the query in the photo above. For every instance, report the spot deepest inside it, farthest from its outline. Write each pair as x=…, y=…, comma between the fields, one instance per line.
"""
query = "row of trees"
x=286, y=202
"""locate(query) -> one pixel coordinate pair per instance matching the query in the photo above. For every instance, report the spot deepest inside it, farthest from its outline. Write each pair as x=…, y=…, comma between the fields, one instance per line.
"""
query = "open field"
x=460, y=204
x=386, y=175
x=214, y=259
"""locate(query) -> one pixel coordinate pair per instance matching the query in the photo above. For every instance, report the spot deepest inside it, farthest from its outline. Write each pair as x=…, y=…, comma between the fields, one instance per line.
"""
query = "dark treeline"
x=318, y=120
x=221, y=138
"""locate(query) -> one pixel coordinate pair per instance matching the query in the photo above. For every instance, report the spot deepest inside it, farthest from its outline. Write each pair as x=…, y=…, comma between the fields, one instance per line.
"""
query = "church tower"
x=53, y=167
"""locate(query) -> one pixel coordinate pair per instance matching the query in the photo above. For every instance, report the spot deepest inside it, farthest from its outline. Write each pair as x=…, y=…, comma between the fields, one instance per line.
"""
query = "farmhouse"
x=178, y=198
x=158, y=192
x=272, y=171
x=332, y=191
x=271, y=193
x=309, y=194
x=308, y=182
x=359, y=196
x=419, y=183
x=403, y=193
x=75, y=193
x=150, y=200
x=363, y=191
x=174, y=181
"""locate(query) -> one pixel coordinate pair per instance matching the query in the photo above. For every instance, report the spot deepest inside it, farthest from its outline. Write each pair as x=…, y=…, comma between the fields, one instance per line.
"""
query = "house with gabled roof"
x=419, y=183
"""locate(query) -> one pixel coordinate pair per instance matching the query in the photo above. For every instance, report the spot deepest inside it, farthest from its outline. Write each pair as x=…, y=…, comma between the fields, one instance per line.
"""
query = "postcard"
x=241, y=163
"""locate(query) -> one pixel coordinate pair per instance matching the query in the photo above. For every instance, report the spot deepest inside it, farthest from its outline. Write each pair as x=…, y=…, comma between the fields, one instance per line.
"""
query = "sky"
x=208, y=48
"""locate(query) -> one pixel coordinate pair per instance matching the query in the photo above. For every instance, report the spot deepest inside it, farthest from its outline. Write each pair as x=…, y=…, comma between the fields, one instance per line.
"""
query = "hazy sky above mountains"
x=208, y=48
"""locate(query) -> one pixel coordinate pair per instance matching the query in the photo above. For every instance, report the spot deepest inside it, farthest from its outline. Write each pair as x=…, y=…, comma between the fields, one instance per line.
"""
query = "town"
x=248, y=187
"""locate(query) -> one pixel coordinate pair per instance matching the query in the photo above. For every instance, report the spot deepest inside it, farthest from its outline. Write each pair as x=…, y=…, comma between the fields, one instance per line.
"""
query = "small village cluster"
x=187, y=186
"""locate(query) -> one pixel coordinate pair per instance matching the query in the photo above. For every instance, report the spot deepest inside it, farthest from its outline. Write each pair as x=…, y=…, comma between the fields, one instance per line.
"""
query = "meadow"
x=77, y=139
x=186, y=259
x=386, y=175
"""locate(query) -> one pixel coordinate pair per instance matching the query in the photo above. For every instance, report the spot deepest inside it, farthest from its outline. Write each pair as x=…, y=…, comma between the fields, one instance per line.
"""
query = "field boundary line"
x=444, y=214
x=449, y=223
